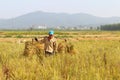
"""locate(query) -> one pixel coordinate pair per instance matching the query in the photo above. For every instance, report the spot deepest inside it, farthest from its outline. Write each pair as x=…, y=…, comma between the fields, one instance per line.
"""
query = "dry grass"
x=95, y=60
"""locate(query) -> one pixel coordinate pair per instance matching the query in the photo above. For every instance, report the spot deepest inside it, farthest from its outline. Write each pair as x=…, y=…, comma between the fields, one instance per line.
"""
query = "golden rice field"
x=97, y=57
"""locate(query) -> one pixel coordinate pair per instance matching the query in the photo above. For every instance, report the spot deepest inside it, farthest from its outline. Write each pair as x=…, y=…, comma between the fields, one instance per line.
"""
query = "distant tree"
x=31, y=27
x=111, y=27
x=91, y=28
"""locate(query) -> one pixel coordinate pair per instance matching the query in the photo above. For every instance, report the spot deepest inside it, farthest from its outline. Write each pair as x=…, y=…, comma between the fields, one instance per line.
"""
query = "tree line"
x=111, y=27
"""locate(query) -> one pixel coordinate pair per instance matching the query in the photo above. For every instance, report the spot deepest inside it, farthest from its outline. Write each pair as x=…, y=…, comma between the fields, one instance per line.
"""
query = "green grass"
x=58, y=32
x=95, y=60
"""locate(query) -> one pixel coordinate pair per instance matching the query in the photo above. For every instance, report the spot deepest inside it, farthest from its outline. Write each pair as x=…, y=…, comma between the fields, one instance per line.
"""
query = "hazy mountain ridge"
x=55, y=19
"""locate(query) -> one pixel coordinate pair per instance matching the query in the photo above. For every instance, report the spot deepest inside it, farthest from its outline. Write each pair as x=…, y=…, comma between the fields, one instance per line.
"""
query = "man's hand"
x=36, y=39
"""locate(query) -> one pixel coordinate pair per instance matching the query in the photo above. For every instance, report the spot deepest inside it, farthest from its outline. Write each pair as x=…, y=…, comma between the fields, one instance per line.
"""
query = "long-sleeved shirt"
x=49, y=45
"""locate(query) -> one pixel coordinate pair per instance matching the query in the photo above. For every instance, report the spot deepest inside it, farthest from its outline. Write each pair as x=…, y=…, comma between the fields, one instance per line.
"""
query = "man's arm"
x=37, y=40
x=55, y=47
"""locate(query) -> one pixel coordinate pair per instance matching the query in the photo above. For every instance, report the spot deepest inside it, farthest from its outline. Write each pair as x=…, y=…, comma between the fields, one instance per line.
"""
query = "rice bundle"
x=61, y=48
x=70, y=48
x=32, y=48
x=66, y=47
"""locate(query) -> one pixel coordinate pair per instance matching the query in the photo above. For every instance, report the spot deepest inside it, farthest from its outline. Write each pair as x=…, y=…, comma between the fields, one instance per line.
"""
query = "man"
x=49, y=44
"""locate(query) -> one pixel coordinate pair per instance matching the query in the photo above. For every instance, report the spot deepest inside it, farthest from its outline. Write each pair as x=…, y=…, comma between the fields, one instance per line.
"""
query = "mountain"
x=55, y=19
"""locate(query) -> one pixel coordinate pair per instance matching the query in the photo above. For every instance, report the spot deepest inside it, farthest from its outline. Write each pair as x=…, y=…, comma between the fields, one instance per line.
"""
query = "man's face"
x=50, y=35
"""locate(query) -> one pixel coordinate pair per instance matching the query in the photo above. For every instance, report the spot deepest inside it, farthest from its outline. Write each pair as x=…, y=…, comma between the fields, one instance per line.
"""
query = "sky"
x=101, y=8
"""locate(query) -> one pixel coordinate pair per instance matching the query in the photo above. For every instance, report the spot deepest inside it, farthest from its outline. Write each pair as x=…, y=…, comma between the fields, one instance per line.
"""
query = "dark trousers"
x=48, y=53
